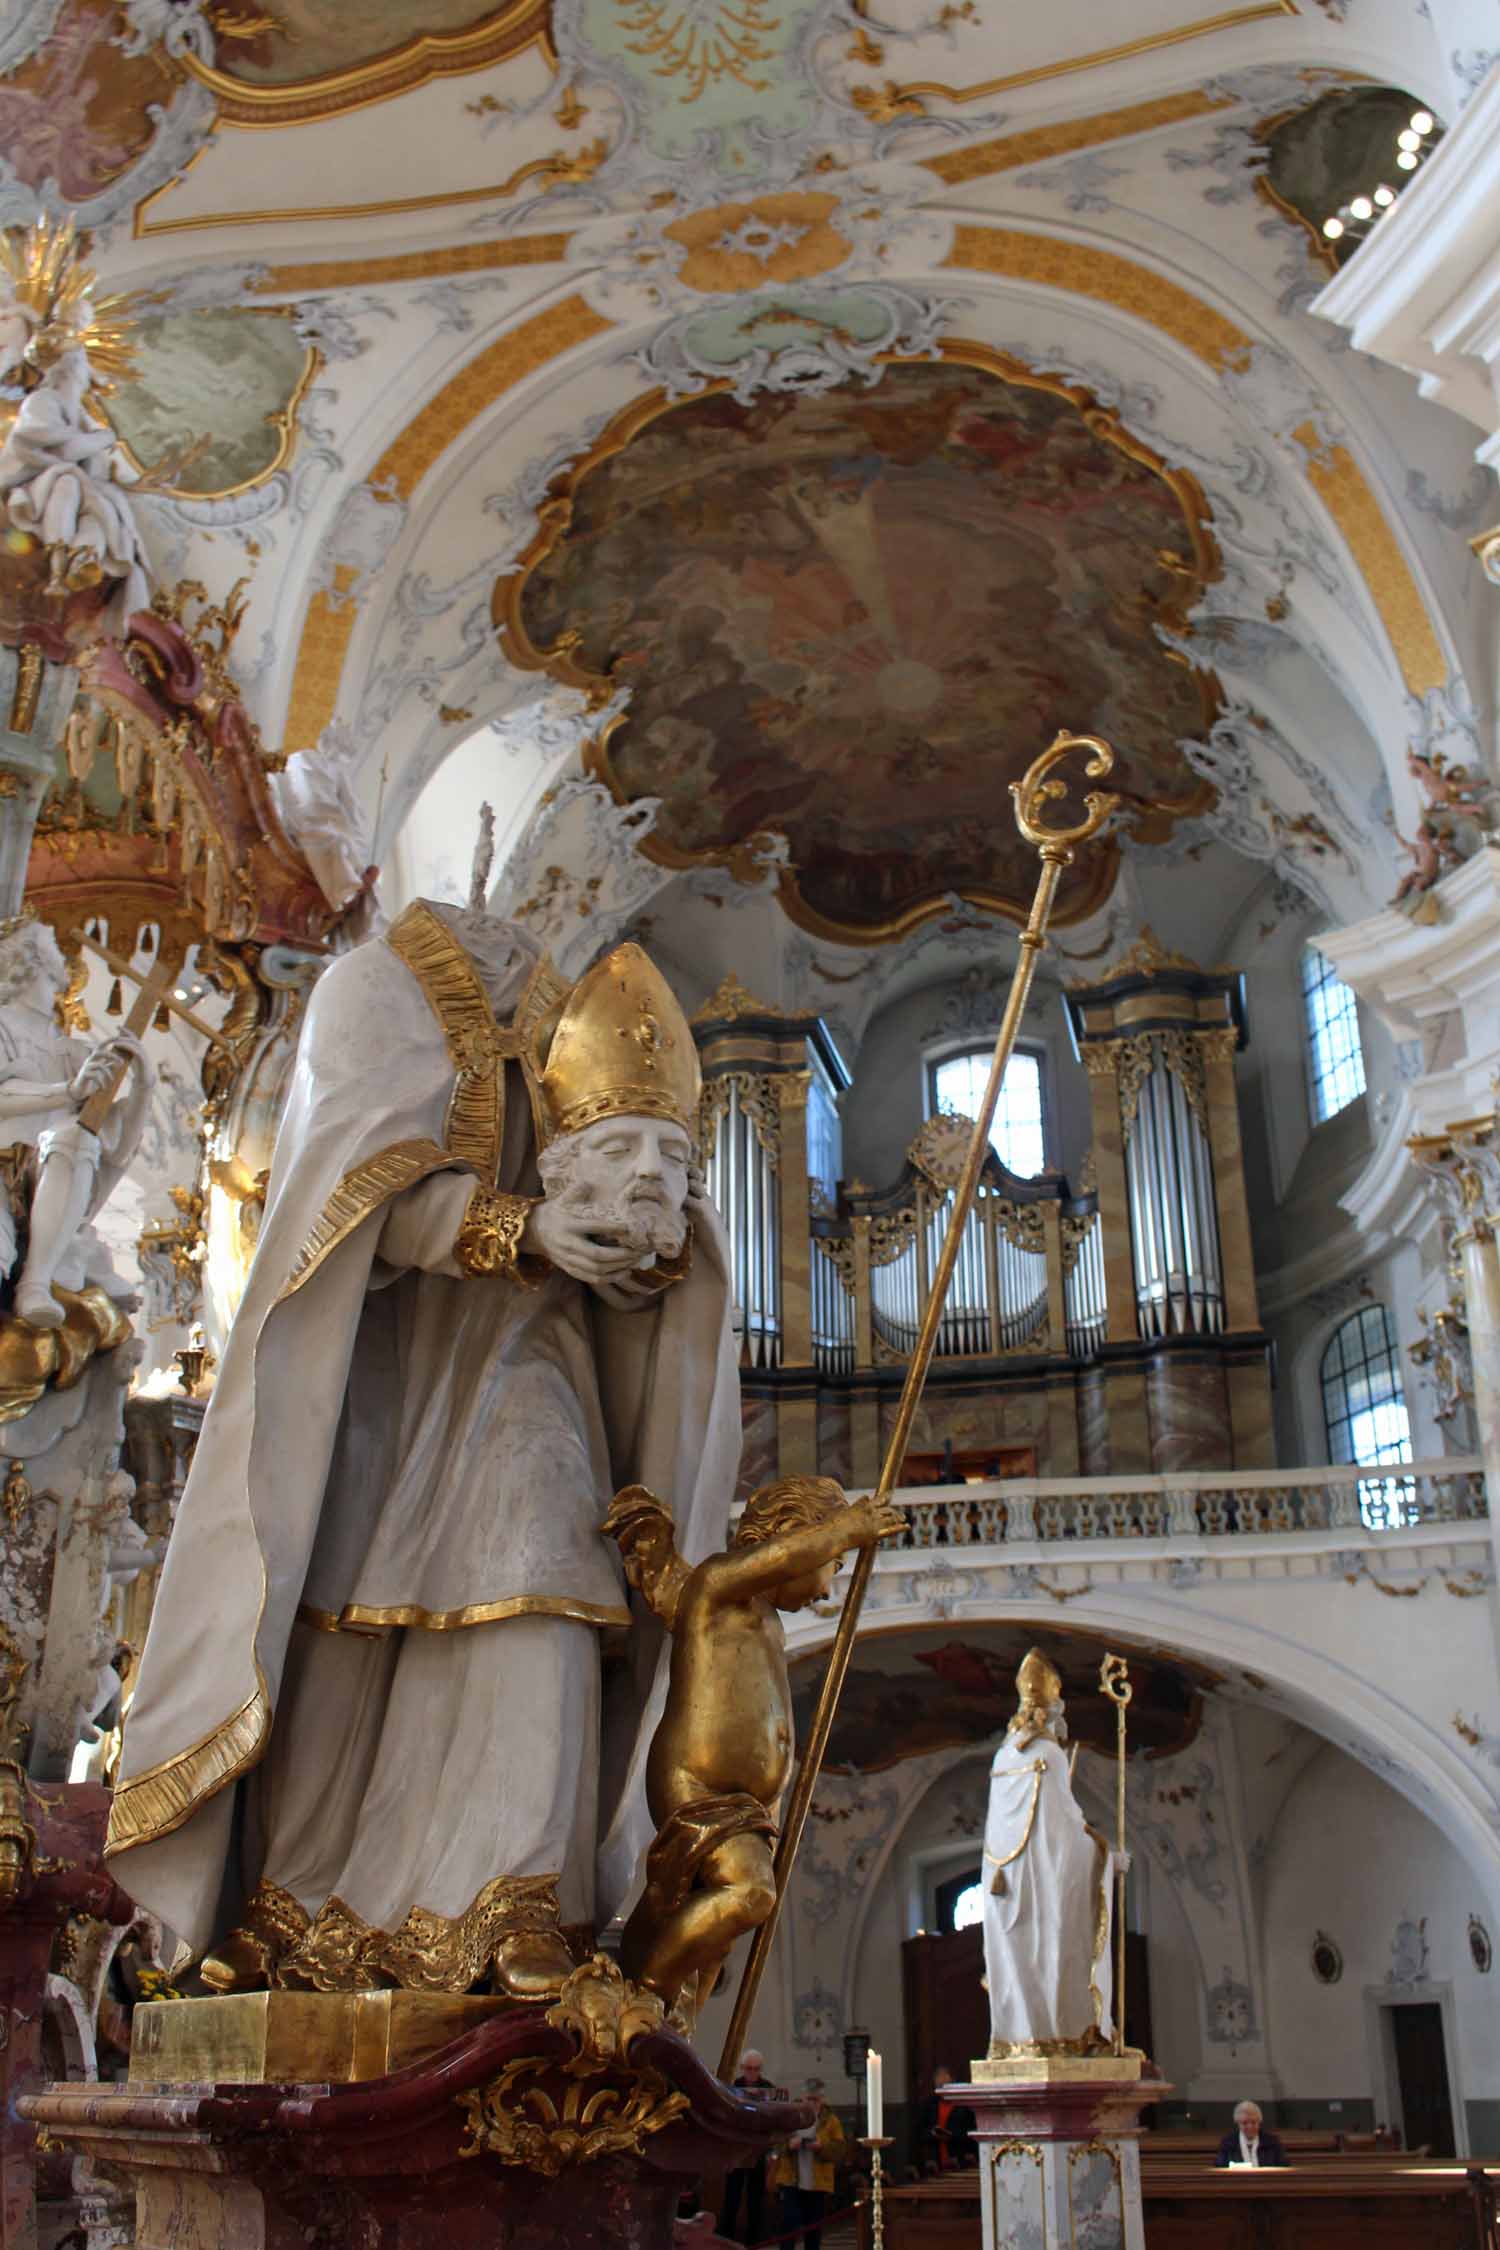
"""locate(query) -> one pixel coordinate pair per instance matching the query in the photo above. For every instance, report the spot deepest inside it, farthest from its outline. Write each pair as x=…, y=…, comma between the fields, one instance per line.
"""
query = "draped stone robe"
x=386, y=1567
x=1047, y=1903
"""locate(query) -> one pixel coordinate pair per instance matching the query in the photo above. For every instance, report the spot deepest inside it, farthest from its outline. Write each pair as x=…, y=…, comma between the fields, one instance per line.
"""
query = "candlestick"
x=874, y=2096
x=875, y=2142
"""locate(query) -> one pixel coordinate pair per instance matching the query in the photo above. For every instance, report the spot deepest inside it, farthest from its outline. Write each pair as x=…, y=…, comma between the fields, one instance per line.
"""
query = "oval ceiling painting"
x=853, y=619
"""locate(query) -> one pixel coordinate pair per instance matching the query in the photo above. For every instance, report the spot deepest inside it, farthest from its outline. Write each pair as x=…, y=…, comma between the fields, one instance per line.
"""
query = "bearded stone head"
x=628, y=1176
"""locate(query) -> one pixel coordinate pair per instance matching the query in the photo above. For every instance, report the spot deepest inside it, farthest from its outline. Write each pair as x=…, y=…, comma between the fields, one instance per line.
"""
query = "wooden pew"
x=1367, y=2201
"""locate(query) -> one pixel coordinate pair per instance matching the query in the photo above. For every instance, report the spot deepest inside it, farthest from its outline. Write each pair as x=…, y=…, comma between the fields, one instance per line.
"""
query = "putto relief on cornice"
x=845, y=619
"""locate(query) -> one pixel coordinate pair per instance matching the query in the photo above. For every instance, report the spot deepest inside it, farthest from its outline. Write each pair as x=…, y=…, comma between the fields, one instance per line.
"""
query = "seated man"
x=1247, y=2144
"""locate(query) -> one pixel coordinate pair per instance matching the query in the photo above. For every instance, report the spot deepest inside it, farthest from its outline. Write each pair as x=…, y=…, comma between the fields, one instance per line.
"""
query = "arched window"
x=1335, y=1059
x=1019, y=1135
x=1364, y=1409
x=959, y=1901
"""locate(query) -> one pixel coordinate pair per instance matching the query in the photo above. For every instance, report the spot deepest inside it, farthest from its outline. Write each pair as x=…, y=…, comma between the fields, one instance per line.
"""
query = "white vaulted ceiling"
x=502, y=235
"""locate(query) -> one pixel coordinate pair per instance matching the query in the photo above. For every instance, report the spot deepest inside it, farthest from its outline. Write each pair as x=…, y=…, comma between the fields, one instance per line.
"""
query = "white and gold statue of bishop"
x=1048, y=1888
x=374, y=1741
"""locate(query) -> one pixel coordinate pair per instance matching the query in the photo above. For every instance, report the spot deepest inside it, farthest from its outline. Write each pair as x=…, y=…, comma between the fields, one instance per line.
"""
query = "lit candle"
x=874, y=2098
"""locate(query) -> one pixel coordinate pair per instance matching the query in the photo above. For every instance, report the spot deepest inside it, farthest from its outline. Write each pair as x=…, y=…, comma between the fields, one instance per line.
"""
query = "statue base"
x=1059, y=2154
x=576, y=2127
x=1059, y=2070
x=295, y=2038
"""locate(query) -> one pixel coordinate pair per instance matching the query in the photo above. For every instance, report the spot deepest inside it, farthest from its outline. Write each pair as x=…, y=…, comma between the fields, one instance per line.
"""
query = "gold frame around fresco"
x=561, y=663
x=282, y=419
x=497, y=38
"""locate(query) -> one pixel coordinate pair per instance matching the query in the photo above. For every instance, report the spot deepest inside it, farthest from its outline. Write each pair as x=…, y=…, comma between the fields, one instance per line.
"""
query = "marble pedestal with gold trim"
x=486, y=2125
x=1059, y=2155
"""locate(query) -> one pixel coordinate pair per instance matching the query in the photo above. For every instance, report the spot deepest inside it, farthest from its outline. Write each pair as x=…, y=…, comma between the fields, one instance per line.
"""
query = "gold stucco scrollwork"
x=890, y=1234
x=1183, y=1056
x=609, y=2105
x=1022, y=1224
x=838, y=1249
x=1074, y=1235
x=1133, y=1060
x=758, y=1101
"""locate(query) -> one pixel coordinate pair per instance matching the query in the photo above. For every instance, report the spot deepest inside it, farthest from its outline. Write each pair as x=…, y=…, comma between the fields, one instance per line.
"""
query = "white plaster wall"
x=1351, y=1857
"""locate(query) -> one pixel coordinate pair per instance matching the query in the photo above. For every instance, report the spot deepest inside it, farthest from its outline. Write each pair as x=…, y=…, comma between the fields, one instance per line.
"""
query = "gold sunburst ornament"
x=54, y=292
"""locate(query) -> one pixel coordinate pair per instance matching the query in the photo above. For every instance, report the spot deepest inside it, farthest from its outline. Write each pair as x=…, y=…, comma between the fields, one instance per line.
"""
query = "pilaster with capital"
x=1462, y=1167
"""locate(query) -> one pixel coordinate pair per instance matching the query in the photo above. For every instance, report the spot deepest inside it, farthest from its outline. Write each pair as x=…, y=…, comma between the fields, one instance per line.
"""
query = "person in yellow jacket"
x=804, y=2170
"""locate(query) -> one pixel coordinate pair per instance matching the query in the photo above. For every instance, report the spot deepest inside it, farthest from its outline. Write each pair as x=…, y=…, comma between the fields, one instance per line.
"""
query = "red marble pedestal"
x=52, y=1834
x=520, y=2135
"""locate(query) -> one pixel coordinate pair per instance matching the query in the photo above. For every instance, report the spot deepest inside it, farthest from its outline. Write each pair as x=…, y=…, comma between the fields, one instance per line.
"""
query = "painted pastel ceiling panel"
x=222, y=388
x=852, y=620
x=78, y=112
x=303, y=39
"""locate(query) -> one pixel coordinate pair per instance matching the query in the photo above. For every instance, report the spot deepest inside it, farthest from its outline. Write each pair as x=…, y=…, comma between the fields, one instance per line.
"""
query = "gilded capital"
x=1462, y=1165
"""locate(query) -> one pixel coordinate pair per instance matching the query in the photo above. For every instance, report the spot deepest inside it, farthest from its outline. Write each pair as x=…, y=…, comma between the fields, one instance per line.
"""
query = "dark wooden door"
x=947, y=2007
x=1422, y=2075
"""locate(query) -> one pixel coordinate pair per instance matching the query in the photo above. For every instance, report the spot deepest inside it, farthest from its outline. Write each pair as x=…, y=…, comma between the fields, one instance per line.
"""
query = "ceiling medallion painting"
x=850, y=621
x=317, y=58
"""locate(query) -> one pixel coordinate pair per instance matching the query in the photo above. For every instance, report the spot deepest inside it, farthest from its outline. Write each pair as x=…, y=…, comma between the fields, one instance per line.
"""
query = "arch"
x=1352, y=1707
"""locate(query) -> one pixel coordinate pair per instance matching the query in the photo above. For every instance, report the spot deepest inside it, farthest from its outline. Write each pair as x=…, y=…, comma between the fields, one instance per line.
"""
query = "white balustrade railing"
x=1201, y=1504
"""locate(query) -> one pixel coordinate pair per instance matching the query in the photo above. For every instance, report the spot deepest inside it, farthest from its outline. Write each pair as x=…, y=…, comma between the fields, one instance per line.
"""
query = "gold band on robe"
x=360, y=1617
x=153, y=1803
x=478, y=1046
x=388, y=1173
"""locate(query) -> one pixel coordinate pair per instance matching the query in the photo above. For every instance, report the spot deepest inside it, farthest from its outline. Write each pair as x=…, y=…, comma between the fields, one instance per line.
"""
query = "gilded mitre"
x=622, y=1048
x=1038, y=1683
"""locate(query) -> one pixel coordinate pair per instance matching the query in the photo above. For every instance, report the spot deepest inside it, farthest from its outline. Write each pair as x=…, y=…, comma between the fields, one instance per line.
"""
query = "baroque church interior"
x=658, y=474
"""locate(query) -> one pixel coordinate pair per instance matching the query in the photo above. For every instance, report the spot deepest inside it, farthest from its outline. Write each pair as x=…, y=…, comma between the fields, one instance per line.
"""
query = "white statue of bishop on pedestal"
x=1048, y=1888
x=374, y=1739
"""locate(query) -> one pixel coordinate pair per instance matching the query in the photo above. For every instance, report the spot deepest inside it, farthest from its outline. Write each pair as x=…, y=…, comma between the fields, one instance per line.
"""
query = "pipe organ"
x=1100, y=1330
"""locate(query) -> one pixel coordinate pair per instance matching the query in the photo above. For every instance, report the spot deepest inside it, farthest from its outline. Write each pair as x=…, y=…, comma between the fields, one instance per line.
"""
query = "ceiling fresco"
x=217, y=391
x=908, y=1694
x=851, y=621
x=305, y=39
x=319, y=58
x=77, y=114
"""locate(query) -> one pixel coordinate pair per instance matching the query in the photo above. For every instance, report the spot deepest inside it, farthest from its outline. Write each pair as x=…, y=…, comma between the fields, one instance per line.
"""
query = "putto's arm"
x=743, y=1572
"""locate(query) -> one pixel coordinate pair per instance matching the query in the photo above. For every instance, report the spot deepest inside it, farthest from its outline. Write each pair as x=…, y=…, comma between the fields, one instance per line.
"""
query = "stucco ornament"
x=56, y=1172
x=804, y=340
x=57, y=485
x=318, y=802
